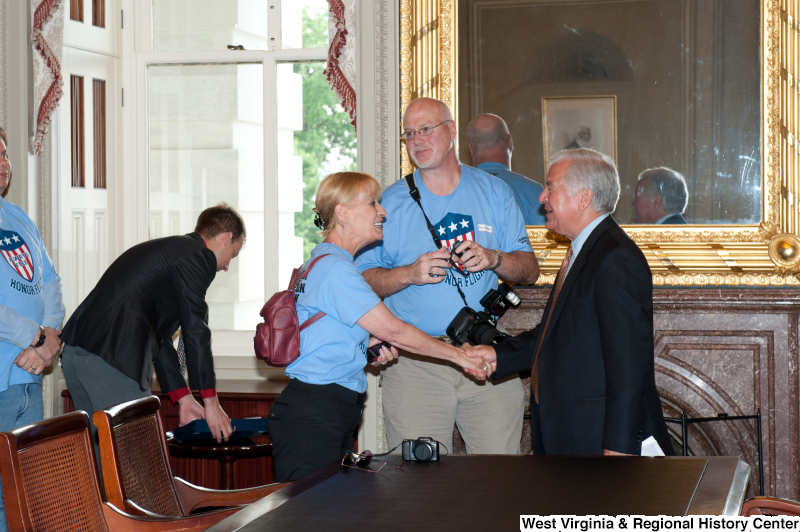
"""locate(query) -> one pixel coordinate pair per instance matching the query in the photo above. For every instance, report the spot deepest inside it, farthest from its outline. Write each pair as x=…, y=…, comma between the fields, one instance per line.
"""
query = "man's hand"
x=189, y=410
x=52, y=345
x=476, y=367
x=218, y=421
x=476, y=258
x=488, y=362
x=430, y=268
x=30, y=361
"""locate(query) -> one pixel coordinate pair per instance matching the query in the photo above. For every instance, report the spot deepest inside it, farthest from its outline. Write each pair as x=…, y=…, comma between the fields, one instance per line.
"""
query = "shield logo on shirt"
x=455, y=228
x=17, y=254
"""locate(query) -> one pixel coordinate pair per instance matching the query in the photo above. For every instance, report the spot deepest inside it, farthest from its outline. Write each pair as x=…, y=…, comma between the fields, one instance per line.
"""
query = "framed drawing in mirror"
x=704, y=87
x=570, y=123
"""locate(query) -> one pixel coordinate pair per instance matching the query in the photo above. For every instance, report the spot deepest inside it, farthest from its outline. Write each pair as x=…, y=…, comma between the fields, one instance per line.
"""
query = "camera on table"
x=422, y=449
x=480, y=328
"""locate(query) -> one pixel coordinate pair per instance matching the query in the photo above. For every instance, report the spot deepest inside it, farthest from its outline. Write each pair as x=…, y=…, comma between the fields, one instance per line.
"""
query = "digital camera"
x=480, y=328
x=454, y=258
x=422, y=449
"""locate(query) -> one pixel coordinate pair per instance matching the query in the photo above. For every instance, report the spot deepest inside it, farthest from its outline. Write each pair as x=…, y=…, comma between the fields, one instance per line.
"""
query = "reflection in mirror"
x=653, y=83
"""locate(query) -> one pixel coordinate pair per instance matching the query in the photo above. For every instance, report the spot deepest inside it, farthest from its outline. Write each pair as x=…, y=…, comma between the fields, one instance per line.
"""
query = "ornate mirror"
x=706, y=87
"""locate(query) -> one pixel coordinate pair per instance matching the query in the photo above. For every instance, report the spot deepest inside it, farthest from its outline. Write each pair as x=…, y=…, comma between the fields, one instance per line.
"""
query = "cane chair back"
x=136, y=470
x=134, y=449
x=49, y=476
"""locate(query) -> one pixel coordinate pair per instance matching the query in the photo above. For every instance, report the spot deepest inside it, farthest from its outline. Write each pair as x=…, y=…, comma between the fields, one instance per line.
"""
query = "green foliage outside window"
x=327, y=142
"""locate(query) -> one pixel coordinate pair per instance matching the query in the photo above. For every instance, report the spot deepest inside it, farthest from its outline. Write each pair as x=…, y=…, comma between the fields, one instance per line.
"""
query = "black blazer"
x=597, y=385
x=675, y=219
x=129, y=318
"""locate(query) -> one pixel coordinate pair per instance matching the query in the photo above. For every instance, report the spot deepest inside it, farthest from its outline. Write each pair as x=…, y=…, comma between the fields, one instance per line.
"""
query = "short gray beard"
x=416, y=162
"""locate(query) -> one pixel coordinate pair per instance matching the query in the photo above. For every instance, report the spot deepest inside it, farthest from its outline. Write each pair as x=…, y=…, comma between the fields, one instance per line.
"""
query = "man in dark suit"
x=125, y=326
x=592, y=377
x=661, y=197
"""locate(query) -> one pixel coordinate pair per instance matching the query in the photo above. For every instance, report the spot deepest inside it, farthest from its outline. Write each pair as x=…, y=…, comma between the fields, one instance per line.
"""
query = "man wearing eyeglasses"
x=420, y=286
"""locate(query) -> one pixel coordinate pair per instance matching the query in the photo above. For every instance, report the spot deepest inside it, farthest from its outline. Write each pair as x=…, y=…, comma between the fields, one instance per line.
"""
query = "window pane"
x=192, y=25
x=304, y=24
x=315, y=138
x=206, y=146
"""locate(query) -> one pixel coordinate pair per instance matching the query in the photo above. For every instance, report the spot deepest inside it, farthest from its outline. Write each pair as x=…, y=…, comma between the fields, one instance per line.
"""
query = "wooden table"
x=490, y=492
x=227, y=453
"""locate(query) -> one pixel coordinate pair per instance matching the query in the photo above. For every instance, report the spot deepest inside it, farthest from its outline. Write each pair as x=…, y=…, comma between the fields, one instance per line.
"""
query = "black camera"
x=375, y=351
x=480, y=328
x=422, y=449
x=454, y=254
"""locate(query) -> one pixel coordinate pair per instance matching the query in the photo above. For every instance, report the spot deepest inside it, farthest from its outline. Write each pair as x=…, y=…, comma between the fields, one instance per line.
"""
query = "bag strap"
x=311, y=265
x=414, y=191
x=312, y=320
x=316, y=317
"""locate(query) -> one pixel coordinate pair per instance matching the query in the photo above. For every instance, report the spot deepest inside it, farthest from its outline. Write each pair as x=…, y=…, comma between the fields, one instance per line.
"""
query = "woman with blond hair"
x=312, y=422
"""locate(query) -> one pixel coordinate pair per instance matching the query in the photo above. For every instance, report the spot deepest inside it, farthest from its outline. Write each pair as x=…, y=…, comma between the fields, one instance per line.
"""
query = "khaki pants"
x=426, y=397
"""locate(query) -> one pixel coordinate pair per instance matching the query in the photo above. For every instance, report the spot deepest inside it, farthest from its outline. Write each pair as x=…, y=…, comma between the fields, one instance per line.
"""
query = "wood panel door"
x=87, y=161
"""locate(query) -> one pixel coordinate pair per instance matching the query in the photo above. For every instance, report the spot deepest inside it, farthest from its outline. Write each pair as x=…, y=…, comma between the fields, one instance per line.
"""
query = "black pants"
x=311, y=426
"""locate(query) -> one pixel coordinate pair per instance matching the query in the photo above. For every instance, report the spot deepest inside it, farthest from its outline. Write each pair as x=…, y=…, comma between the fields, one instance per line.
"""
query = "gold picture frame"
x=569, y=121
x=764, y=254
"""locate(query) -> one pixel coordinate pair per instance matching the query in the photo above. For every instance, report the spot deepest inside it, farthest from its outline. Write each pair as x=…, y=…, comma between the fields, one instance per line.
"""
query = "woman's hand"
x=387, y=355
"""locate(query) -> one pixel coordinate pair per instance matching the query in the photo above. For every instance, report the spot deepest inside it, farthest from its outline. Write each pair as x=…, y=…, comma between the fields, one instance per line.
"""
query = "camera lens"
x=423, y=451
x=484, y=334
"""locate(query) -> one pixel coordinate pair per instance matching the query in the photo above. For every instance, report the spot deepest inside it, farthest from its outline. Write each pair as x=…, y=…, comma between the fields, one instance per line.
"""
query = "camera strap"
x=414, y=191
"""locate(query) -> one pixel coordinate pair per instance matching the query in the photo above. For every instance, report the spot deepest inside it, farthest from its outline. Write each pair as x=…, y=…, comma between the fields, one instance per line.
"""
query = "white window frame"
x=226, y=343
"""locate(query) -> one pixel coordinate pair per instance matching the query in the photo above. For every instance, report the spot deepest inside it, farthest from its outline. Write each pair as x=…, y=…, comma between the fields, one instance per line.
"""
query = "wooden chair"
x=136, y=470
x=770, y=506
x=50, y=482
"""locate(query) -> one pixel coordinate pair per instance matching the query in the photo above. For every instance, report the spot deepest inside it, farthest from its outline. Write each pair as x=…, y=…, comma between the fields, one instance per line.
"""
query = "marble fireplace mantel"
x=723, y=350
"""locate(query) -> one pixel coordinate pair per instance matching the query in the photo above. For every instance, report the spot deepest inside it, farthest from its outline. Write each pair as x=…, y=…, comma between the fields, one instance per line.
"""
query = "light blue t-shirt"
x=482, y=208
x=30, y=291
x=526, y=191
x=333, y=350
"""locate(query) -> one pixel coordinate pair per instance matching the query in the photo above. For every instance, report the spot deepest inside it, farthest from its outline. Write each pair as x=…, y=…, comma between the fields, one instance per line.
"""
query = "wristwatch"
x=499, y=259
x=42, y=338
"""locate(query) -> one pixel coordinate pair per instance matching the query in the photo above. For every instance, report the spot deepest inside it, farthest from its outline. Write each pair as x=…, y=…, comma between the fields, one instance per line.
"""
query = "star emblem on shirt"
x=441, y=230
x=453, y=226
x=7, y=241
x=464, y=224
x=16, y=238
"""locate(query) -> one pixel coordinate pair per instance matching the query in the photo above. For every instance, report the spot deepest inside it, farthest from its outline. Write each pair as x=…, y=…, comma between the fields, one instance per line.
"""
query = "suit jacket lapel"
x=574, y=271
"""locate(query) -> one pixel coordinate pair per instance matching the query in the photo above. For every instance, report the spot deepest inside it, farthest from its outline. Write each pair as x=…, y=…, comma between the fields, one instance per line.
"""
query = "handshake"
x=480, y=361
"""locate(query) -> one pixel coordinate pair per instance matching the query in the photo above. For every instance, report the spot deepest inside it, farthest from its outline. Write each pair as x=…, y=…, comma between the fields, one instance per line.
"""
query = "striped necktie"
x=562, y=272
x=182, y=353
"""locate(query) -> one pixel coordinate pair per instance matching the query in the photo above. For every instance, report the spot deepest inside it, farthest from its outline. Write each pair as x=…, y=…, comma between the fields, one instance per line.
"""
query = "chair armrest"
x=119, y=521
x=193, y=497
x=132, y=508
x=770, y=506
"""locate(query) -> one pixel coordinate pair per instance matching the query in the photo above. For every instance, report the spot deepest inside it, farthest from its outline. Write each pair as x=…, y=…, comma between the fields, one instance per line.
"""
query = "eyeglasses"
x=424, y=132
x=362, y=460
